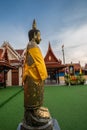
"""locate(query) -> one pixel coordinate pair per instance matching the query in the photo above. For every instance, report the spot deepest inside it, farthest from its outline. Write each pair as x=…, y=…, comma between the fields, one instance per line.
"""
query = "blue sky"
x=60, y=22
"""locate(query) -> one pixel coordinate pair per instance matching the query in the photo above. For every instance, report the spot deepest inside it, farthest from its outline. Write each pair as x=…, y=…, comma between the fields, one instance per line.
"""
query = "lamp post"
x=63, y=54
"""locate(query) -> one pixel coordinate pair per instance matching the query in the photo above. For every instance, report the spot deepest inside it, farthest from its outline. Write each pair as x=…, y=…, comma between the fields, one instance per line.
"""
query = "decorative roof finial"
x=34, y=24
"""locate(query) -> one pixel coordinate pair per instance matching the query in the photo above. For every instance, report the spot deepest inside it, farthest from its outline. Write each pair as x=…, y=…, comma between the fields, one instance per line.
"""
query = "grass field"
x=66, y=104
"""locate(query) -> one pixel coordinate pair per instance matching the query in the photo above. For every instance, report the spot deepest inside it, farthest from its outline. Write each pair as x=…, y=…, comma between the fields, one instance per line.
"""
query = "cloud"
x=75, y=44
x=74, y=40
x=15, y=35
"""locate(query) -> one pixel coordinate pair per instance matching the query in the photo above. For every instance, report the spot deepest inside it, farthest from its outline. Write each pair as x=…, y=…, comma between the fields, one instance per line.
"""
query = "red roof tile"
x=14, y=61
x=1, y=51
x=50, y=58
x=85, y=66
x=19, y=51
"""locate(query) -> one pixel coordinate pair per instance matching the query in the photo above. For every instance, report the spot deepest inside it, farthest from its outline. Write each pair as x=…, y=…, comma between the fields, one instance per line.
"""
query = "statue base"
x=54, y=122
x=38, y=119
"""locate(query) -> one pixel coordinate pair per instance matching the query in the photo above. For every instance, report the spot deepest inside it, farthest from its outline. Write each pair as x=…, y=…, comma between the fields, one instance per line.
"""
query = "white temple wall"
x=20, y=76
x=9, y=78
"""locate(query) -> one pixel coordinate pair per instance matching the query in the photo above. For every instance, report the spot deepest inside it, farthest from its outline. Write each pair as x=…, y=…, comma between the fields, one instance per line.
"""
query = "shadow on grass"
x=9, y=98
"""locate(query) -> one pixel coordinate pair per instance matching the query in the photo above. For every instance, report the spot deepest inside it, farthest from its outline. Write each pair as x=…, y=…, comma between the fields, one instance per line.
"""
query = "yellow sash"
x=37, y=70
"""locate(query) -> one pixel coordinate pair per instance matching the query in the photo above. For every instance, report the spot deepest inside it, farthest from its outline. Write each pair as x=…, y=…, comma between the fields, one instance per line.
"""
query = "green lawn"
x=7, y=93
x=11, y=113
x=66, y=104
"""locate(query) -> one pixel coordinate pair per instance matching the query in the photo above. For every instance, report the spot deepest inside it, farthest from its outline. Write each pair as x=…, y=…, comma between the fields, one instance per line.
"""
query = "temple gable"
x=50, y=57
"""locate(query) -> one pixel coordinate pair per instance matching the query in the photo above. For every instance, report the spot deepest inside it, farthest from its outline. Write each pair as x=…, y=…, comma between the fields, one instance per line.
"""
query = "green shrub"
x=81, y=79
x=74, y=80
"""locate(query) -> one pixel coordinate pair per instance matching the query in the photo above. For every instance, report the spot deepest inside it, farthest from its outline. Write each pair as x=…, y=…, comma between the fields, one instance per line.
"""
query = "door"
x=15, y=77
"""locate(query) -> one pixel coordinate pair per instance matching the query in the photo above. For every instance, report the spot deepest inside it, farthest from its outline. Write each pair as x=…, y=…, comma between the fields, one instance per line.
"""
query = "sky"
x=61, y=22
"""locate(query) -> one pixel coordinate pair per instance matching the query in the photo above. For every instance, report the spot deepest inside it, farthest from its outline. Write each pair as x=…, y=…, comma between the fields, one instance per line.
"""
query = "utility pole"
x=63, y=54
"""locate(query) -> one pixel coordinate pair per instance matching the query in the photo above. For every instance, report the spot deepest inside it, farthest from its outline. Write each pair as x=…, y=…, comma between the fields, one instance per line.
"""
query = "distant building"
x=53, y=65
x=5, y=66
x=14, y=76
x=55, y=68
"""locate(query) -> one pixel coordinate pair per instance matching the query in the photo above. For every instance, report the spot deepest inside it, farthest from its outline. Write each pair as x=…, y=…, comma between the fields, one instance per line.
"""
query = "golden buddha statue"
x=34, y=72
x=36, y=117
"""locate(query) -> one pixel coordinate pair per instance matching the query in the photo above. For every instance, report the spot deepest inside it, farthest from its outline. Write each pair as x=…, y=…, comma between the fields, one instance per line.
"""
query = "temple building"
x=5, y=66
x=53, y=66
x=14, y=76
x=13, y=65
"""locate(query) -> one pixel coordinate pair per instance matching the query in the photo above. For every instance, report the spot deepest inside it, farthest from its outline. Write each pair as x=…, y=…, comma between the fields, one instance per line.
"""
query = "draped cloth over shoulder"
x=36, y=69
x=33, y=77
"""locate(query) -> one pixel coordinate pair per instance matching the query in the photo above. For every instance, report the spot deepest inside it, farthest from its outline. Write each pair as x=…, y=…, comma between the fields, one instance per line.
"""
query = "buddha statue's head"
x=34, y=33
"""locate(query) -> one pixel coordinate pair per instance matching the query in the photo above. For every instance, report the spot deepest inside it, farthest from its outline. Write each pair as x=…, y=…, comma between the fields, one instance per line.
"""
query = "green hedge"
x=74, y=79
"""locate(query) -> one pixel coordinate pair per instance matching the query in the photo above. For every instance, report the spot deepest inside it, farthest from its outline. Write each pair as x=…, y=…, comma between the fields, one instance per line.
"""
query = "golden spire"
x=34, y=24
